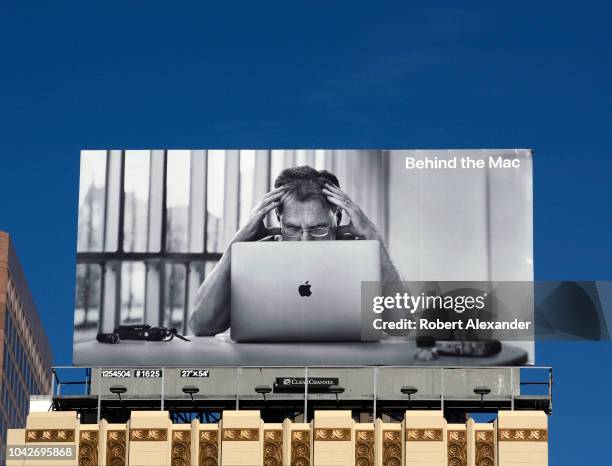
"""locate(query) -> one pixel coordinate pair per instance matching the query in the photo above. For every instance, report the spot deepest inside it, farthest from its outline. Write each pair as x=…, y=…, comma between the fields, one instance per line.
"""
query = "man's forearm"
x=389, y=272
x=391, y=284
x=212, y=308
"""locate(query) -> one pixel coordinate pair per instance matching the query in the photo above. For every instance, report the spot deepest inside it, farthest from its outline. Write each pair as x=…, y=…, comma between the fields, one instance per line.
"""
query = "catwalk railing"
x=280, y=392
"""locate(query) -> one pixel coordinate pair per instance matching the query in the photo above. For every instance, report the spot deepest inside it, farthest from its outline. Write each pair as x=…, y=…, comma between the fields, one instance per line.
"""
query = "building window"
x=88, y=299
x=150, y=224
x=132, y=293
x=92, y=201
x=136, y=185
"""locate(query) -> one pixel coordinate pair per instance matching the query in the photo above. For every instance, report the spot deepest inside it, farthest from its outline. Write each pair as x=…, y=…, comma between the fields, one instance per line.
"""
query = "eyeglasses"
x=293, y=232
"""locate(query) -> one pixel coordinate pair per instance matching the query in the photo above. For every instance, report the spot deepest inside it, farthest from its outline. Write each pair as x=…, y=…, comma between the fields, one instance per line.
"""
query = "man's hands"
x=360, y=225
x=254, y=229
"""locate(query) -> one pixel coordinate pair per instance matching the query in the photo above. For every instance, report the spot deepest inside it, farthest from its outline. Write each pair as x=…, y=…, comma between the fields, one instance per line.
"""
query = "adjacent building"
x=332, y=437
x=25, y=353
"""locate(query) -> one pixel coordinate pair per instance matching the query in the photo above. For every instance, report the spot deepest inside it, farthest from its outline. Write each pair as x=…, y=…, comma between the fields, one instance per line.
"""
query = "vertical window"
x=174, y=300
x=92, y=198
x=320, y=159
x=215, y=200
x=177, y=200
x=132, y=293
x=300, y=157
x=197, y=200
x=277, y=164
x=87, y=301
x=247, y=185
x=136, y=200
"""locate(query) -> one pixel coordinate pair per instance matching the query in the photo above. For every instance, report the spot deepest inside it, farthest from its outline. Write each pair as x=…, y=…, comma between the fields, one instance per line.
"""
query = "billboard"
x=304, y=257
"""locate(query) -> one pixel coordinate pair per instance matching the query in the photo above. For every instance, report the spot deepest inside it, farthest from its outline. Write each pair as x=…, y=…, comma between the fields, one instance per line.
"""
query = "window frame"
x=113, y=254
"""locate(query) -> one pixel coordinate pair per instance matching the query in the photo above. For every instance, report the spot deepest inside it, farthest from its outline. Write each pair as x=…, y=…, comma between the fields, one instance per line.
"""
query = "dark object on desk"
x=477, y=349
x=426, y=341
x=139, y=332
x=110, y=338
x=426, y=349
x=146, y=332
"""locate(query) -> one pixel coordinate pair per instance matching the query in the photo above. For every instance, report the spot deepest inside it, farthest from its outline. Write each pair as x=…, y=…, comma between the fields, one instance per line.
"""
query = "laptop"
x=296, y=291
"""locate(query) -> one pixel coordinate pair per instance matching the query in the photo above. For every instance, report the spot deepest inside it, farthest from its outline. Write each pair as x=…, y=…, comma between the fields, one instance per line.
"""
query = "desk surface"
x=218, y=351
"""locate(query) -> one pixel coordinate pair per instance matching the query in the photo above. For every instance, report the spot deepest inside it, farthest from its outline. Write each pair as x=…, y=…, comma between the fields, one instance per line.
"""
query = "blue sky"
x=319, y=74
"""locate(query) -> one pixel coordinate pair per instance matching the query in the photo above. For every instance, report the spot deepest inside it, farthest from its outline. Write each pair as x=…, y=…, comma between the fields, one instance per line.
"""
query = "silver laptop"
x=300, y=290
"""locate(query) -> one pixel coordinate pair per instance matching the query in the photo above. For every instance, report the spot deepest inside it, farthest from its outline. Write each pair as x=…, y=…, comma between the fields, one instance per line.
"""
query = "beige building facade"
x=332, y=438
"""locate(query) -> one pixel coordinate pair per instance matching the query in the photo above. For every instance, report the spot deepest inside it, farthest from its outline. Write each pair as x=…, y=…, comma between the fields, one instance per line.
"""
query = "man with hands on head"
x=309, y=205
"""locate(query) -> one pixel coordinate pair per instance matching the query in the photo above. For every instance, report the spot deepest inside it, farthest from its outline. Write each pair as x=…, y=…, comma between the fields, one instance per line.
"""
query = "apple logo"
x=304, y=289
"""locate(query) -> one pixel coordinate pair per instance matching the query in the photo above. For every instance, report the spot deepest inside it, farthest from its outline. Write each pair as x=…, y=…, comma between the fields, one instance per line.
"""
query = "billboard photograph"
x=304, y=257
